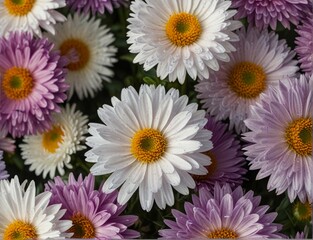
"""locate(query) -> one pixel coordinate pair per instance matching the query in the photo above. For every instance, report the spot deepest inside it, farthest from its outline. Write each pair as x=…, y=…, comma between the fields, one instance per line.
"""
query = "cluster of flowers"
x=253, y=110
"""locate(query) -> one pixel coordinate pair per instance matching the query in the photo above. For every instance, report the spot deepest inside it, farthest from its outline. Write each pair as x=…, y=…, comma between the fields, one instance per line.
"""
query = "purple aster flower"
x=6, y=144
x=264, y=13
x=223, y=213
x=32, y=83
x=304, y=44
x=3, y=173
x=281, y=138
x=95, y=6
x=94, y=213
x=226, y=157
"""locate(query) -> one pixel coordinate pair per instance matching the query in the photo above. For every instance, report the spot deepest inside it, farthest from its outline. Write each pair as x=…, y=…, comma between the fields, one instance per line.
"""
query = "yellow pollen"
x=247, y=80
x=148, y=145
x=20, y=230
x=298, y=135
x=19, y=7
x=82, y=227
x=223, y=233
x=211, y=168
x=17, y=83
x=78, y=47
x=302, y=211
x=183, y=29
x=52, y=139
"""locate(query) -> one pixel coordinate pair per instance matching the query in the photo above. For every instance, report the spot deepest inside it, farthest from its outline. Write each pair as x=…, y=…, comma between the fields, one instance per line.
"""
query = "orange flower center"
x=247, y=80
x=82, y=227
x=17, y=83
x=183, y=29
x=19, y=7
x=19, y=230
x=52, y=139
x=148, y=145
x=80, y=48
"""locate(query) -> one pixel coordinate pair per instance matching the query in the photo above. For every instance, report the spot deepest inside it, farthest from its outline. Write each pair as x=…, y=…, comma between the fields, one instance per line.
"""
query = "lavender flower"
x=268, y=12
x=304, y=44
x=94, y=213
x=223, y=213
x=226, y=157
x=32, y=83
x=95, y=6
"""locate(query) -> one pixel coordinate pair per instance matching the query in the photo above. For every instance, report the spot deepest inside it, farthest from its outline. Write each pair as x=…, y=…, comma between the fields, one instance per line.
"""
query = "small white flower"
x=28, y=216
x=30, y=15
x=152, y=141
x=181, y=36
x=87, y=44
x=52, y=150
x=260, y=61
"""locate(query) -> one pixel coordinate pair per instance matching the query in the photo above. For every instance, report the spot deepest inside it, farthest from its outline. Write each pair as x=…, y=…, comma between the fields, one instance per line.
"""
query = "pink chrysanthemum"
x=304, y=44
x=94, y=214
x=31, y=83
x=223, y=213
x=226, y=157
x=281, y=138
x=264, y=13
x=95, y=6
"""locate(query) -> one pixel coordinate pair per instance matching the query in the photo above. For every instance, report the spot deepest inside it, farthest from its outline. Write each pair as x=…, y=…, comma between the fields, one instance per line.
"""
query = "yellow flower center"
x=19, y=230
x=52, y=138
x=211, y=168
x=299, y=136
x=19, y=7
x=17, y=83
x=148, y=145
x=223, y=233
x=82, y=227
x=247, y=80
x=183, y=29
x=302, y=211
x=78, y=47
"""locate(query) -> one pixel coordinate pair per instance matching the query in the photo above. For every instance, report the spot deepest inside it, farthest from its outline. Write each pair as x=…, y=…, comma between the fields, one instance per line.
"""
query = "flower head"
x=52, y=150
x=304, y=44
x=269, y=12
x=3, y=173
x=94, y=213
x=30, y=15
x=87, y=45
x=151, y=140
x=187, y=37
x=260, y=61
x=281, y=138
x=95, y=6
x=32, y=84
x=223, y=213
x=226, y=157
x=28, y=216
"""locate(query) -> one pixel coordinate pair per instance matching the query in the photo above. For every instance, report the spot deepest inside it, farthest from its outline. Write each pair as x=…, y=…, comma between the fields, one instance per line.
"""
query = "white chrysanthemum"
x=152, y=141
x=260, y=61
x=87, y=44
x=181, y=36
x=52, y=149
x=24, y=215
x=30, y=15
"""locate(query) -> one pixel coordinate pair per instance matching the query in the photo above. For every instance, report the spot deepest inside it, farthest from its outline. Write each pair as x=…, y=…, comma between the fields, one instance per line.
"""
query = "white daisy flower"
x=181, y=36
x=260, y=61
x=87, y=44
x=30, y=15
x=24, y=215
x=152, y=141
x=52, y=149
